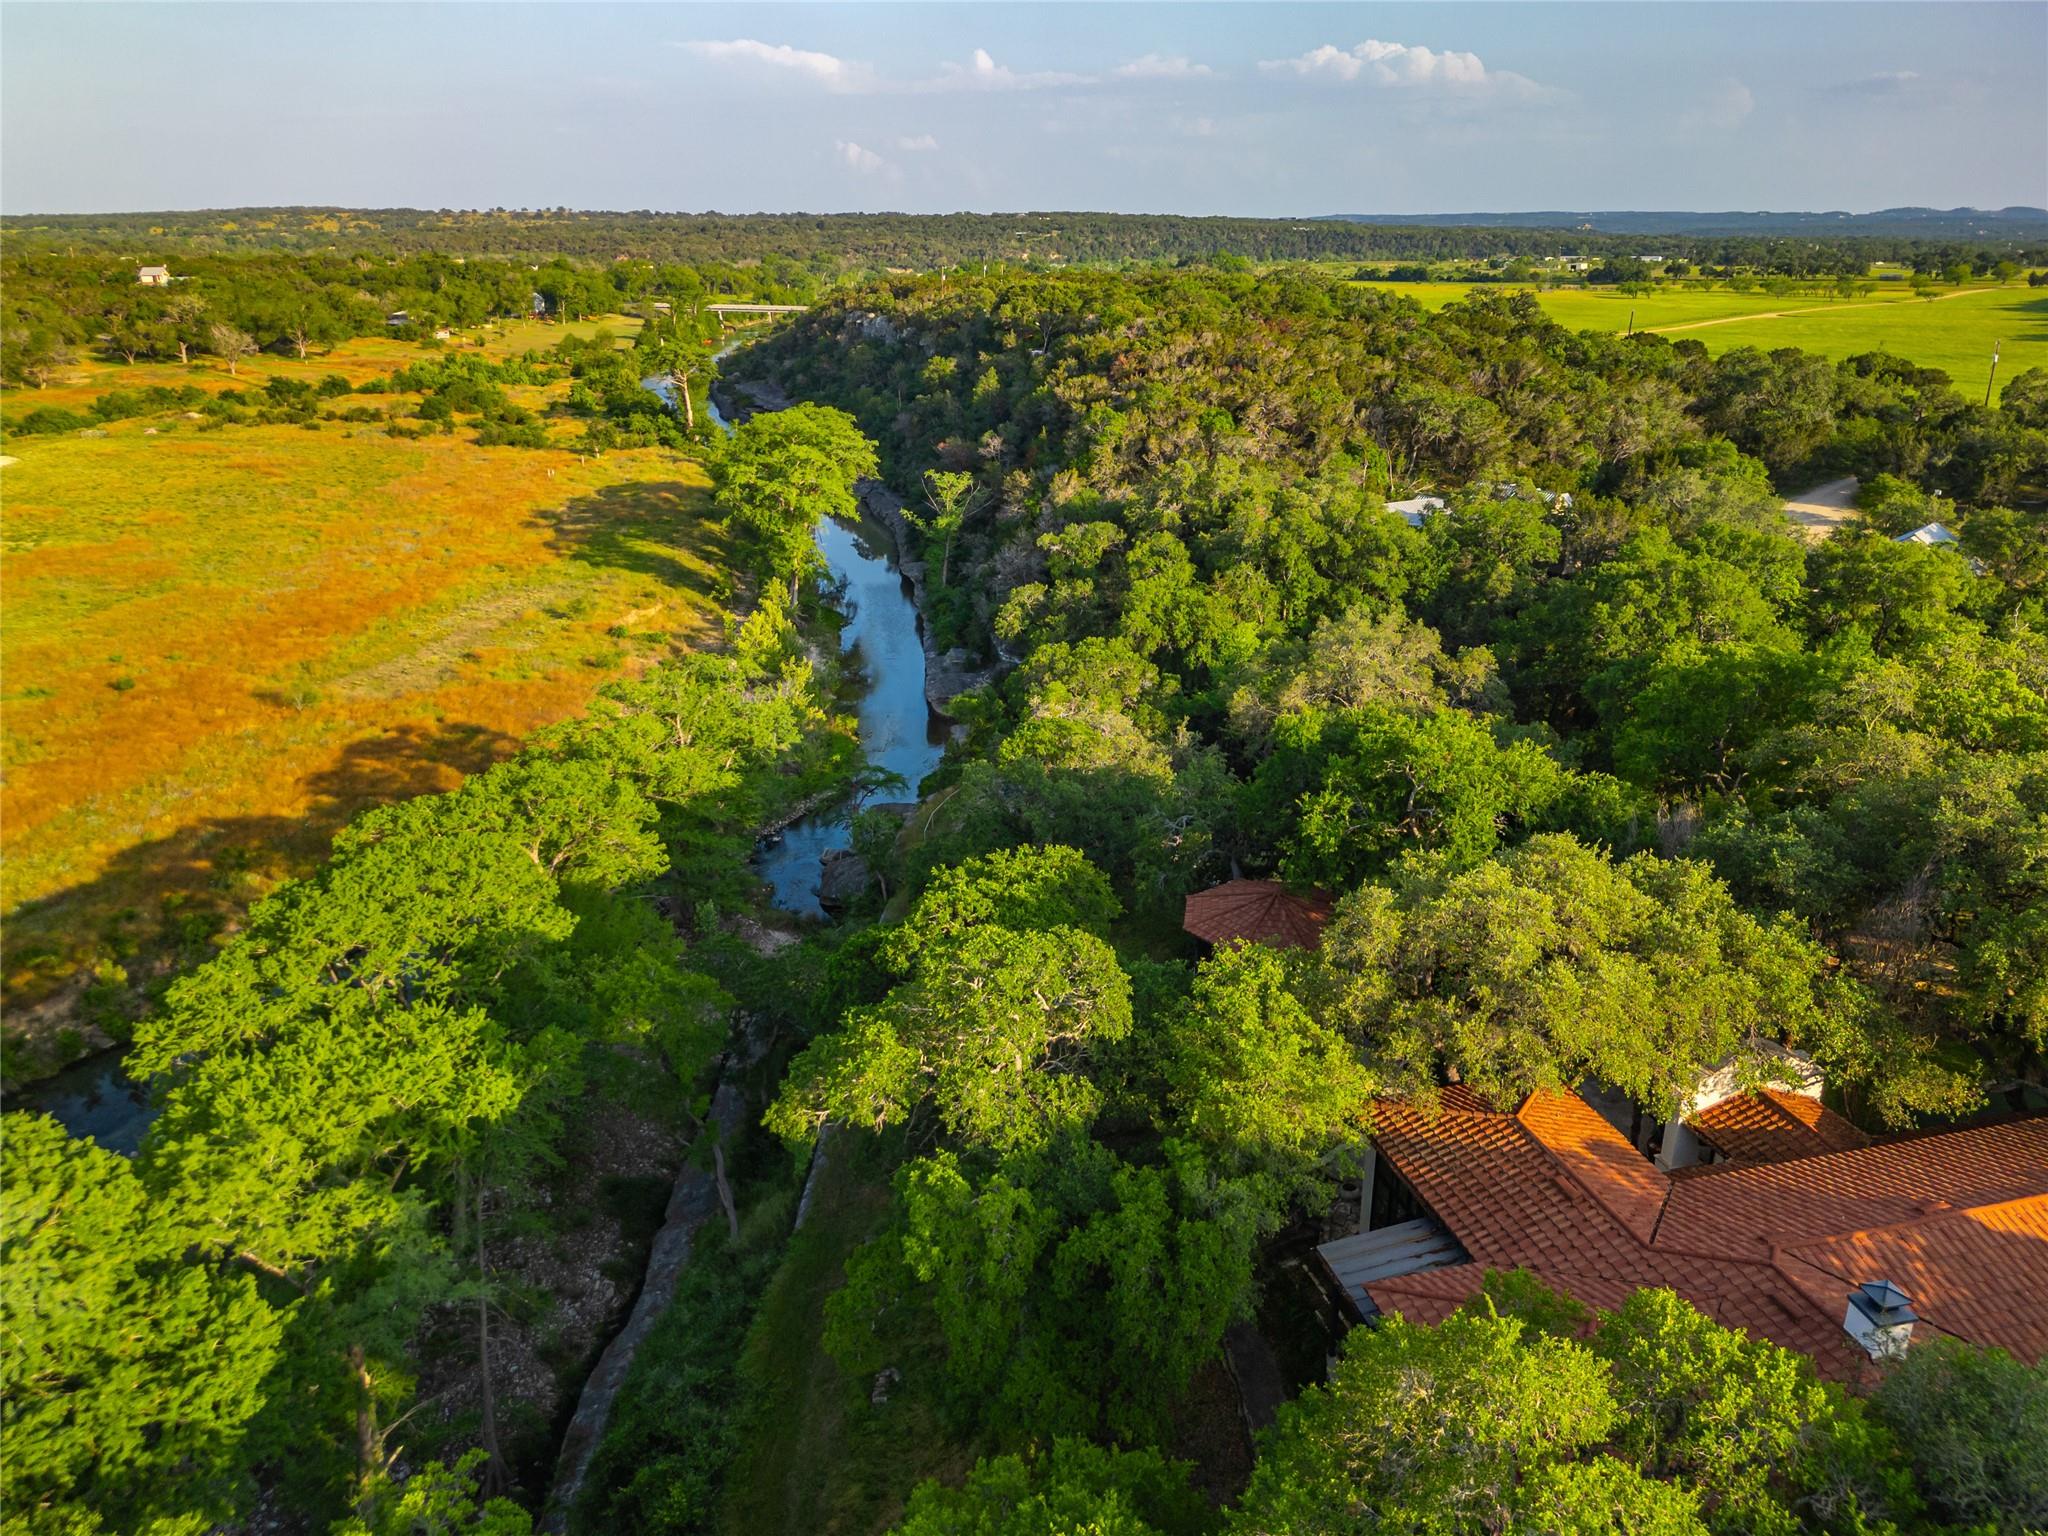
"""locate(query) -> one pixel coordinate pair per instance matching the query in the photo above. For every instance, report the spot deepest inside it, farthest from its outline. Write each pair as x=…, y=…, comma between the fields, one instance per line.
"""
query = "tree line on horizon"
x=829, y=245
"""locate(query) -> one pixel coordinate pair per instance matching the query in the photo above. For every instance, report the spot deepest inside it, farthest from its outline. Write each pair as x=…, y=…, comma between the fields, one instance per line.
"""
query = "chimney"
x=1880, y=1318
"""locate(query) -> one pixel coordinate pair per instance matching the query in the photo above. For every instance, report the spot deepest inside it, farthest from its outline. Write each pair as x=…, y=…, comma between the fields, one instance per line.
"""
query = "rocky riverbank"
x=947, y=674
x=694, y=1199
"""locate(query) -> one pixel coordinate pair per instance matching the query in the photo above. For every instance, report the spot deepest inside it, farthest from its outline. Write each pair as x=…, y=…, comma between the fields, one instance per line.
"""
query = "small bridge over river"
x=748, y=311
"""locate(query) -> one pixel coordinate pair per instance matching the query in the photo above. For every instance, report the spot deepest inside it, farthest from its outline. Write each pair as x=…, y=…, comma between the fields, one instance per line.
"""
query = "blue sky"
x=1240, y=109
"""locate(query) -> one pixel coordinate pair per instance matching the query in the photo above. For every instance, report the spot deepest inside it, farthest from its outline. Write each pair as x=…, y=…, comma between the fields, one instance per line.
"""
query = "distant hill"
x=1915, y=223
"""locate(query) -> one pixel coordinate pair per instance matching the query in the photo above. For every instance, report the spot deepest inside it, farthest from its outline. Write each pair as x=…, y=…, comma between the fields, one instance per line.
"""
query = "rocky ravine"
x=947, y=674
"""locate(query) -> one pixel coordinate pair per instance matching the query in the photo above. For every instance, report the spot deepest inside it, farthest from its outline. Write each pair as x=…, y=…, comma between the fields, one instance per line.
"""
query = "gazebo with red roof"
x=1258, y=912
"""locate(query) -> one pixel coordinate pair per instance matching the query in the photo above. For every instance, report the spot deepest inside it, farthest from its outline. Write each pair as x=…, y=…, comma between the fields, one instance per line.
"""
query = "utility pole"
x=1994, y=375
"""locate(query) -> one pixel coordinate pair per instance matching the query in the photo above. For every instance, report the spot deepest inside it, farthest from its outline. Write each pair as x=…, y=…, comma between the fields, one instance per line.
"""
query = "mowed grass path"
x=1954, y=331
x=218, y=646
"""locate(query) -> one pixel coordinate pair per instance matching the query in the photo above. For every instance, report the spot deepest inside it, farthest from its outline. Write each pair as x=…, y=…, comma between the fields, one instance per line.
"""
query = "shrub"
x=505, y=434
x=51, y=420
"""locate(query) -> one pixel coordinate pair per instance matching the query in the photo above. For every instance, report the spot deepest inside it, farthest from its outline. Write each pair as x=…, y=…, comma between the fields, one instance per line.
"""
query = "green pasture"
x=1953, y=334
x=1954, y=330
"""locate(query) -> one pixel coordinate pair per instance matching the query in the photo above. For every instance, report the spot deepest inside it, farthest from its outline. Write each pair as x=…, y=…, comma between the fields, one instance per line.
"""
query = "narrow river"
x=897, y=729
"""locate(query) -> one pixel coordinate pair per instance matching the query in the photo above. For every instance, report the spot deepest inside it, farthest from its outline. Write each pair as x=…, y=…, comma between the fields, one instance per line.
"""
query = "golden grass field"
x=219, y=645
x=1953, y=331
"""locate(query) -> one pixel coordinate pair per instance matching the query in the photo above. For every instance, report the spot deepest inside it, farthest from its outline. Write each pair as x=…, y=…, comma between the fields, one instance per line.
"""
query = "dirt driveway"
x=1818, y=512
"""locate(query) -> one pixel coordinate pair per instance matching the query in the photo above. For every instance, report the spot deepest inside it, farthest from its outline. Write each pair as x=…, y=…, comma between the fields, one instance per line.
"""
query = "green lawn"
x=1953, y=331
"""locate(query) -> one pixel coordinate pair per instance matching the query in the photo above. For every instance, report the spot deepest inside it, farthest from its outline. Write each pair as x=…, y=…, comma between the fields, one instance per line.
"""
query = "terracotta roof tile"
x=1259, y=911
x=1769, y=1126
x=1838, y=1134
x=1627, y=1185
x=1752, y=1209
x=1980, y=1273
x=1959, y=1220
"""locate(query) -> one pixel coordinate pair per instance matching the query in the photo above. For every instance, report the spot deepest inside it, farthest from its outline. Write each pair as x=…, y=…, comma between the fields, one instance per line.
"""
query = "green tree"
x=1974, y=1424
x=1553, y=963
x=338, y=1068
x=1076, y=1487
x=1737, y=1418
x=950, y=497
x=1369, y=785
x=1779, y=406
x=1029, y=889
x=1899, y=594
x=1600, y=635
x=438, y=1500
x=995, y=1031
x=1253, y=1077
x=131, y=1373
x=1471, y=1426
x=781, y=473
x=874, y=834
x=1701, y=712
x=1073, y=1292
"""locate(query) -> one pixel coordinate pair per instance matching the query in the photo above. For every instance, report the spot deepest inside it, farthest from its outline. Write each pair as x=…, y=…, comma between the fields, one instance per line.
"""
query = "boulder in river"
x=843, y=877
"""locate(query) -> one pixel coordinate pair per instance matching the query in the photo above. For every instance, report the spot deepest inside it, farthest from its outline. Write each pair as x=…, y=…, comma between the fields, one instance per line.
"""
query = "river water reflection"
x=898, y=730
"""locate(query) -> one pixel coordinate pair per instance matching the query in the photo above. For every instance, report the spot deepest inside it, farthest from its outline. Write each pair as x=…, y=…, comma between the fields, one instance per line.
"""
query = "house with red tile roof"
x=1258, y=912
x=1788, y=1238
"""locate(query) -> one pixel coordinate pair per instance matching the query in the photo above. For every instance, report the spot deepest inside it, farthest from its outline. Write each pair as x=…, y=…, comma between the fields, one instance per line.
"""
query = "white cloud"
x=1886, y=82
x=982, y=73
x=1724, y=108
x=1400, y=64
x=855, y=158
x=1161, y=66
x=827, y=69
x=915, y=142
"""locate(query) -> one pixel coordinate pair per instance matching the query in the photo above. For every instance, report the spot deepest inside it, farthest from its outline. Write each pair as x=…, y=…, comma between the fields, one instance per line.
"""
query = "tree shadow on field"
x=662, y=529
x=156, y=907
x=2036, y=311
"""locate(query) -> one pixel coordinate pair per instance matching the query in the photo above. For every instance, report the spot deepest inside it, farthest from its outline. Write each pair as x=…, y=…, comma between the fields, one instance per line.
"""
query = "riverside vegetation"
x=1749, y=791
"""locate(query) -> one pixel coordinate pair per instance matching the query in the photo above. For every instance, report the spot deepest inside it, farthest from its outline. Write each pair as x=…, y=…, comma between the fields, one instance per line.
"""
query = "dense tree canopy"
x=1606, y=772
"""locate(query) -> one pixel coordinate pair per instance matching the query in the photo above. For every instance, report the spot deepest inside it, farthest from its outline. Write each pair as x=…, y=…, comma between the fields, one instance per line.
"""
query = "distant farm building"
x=153, y=277
x=1258, y=912
x=1928, y=533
